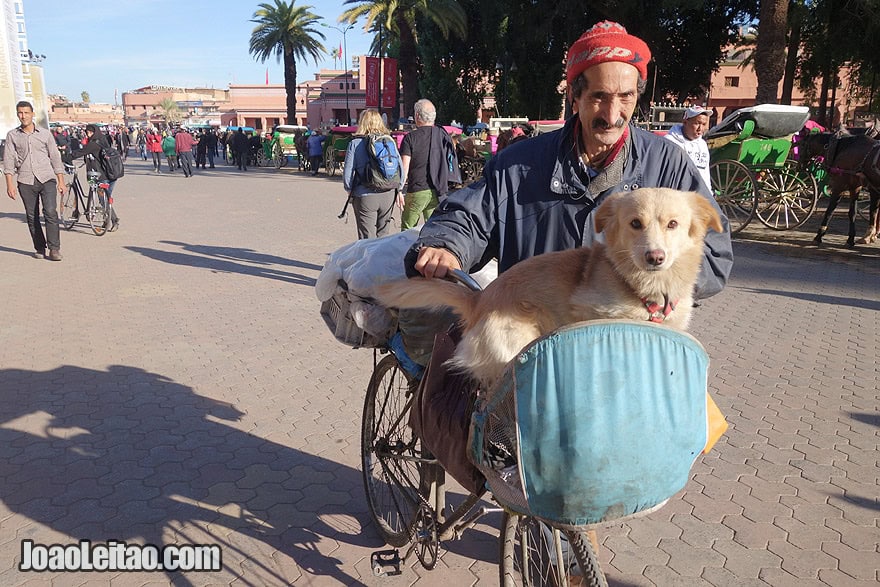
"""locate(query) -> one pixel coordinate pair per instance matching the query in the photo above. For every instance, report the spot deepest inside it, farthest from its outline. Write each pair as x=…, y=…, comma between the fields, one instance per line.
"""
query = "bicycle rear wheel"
x=68, y=213
x=392, y=462
x=98, y=212
x=533, y=553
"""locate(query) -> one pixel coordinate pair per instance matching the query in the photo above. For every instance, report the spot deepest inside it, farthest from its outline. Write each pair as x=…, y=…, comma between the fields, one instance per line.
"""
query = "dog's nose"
x=655, y=257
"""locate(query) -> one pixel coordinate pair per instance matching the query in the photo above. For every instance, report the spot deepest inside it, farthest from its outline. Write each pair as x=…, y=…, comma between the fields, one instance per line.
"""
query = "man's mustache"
x=602, y=124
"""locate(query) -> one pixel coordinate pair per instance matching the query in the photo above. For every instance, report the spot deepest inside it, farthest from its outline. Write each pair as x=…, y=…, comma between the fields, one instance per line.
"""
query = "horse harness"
x=831, y=150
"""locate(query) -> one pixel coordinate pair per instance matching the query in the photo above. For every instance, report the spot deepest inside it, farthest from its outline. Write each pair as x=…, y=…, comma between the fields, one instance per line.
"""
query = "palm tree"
x=288, y=32
x=335, y=54
x=770, y=49
x=170, y=110
x=398, y=17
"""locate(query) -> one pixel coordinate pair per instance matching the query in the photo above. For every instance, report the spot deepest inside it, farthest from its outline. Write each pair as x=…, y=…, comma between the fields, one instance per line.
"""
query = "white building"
x=20, y=76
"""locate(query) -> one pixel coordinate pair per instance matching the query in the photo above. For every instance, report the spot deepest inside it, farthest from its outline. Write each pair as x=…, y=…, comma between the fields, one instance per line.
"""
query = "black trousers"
x=32, y=196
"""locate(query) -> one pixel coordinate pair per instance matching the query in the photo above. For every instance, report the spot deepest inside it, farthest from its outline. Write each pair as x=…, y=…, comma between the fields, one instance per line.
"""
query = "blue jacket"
x=356, y=159
x=534, y=198
x=315, y=144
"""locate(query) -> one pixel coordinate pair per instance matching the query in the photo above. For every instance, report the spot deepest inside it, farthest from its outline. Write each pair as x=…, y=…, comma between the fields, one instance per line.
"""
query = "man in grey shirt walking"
x=33, y=162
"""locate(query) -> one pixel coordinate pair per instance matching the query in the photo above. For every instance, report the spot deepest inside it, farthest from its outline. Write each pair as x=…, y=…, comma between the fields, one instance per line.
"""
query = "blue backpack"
x=383, y=172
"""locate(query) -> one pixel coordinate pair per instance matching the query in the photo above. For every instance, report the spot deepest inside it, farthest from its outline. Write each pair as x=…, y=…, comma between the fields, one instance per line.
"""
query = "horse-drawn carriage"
x=751, y=172
x=281, y=147
x=335, y=147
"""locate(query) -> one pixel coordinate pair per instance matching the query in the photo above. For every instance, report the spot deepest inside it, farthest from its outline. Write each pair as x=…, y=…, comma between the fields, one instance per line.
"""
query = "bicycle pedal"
x=386, y=563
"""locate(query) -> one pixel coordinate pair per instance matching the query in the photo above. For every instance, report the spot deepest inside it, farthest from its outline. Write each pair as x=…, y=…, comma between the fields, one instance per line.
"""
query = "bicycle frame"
x=424, y=533
x=95, y=207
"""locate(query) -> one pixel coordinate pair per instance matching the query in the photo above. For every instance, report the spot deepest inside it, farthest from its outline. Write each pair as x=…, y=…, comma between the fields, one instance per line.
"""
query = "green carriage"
x=751, y=172
x=335, y=147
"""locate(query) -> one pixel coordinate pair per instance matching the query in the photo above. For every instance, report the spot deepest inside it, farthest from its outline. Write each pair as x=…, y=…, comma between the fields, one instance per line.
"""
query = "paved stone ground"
x=173, y=383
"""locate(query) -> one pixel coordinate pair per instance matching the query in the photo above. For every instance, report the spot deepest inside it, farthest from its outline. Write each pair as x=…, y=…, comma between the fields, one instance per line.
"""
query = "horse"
x=852, y=161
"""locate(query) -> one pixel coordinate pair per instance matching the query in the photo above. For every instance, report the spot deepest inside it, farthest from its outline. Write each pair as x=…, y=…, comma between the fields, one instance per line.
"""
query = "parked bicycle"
x=95, y=206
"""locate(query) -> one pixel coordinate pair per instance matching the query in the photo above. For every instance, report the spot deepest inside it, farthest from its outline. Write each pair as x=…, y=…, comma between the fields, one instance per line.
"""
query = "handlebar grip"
x=457, y=275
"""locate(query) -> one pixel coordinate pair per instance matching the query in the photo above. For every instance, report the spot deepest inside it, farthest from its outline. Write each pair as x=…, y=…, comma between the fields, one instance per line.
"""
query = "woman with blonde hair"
x=373, y=208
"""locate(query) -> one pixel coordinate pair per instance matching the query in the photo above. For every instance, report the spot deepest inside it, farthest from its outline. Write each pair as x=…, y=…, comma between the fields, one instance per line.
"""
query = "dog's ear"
x=605, y=212
x=705, y=216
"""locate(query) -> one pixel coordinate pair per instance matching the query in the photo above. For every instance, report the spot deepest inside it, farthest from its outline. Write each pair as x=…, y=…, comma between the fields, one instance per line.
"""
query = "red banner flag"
x=267, y=76
x=371, y=99
x=389, y=83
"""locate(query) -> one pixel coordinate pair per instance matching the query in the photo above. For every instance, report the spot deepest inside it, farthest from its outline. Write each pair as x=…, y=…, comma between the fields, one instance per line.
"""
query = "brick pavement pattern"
x=172, y=382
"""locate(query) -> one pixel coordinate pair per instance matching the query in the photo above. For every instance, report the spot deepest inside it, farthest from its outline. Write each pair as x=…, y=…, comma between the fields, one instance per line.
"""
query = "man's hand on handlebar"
x=436, y=262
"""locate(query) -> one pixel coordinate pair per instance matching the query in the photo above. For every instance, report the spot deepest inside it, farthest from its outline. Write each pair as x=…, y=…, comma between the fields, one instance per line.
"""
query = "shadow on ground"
x=232, y=260
x=126, y=454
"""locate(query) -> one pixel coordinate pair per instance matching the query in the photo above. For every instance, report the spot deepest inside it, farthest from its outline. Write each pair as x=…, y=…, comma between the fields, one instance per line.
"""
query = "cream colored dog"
x=646, y=270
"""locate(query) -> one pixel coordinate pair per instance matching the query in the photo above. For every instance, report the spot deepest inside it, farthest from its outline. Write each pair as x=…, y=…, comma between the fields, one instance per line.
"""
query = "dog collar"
x=658, y=313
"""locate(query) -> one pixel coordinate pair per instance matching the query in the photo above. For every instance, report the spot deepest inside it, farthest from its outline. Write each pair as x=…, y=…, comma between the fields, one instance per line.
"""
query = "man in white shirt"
x=689, y=134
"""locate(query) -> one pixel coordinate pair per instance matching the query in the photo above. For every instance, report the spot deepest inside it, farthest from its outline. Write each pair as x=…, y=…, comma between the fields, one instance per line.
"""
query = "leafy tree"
x=286, y=31
x=170, y=110
x=399, y=17
x=85, y=97
x=456, y=75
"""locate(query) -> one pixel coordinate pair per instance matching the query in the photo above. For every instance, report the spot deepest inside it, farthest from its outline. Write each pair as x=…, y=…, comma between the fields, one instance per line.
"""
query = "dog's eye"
x=637, y=224
x=672, y=224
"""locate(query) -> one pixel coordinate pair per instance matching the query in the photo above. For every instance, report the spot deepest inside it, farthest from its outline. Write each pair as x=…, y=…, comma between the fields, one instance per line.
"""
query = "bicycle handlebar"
x=457, y=275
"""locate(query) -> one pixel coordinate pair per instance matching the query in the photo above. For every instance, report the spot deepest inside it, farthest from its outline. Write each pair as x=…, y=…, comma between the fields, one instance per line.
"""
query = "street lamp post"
x=345, y=63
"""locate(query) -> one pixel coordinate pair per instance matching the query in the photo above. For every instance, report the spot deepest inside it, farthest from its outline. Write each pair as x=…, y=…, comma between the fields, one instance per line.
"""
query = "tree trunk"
x=791, y=62
x=409, y=66
x=823, y=98
x=770, y=49
x=290, y=85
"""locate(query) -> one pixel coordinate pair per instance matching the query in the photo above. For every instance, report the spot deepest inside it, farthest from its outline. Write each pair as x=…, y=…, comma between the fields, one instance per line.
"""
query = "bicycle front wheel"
x=392, y=462
x=68, y=213
x=533, y=553
x=98, y=213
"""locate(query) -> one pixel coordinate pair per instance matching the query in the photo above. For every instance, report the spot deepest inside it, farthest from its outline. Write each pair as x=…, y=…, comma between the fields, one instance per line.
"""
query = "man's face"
x=607, y=104
x=25, y=115
x=694, y=127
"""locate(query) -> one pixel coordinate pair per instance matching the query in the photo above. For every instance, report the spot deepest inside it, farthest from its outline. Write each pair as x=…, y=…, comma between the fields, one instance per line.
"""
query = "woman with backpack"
x=372, y=175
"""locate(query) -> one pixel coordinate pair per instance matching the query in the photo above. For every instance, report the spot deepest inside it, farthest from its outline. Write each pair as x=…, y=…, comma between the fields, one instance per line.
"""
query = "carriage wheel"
x=330, y=161
x=278, y=158
x=786, y=197
x=735, y=191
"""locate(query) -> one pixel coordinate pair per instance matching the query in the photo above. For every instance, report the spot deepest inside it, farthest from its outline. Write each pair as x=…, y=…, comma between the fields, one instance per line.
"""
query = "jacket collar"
x=568, y=179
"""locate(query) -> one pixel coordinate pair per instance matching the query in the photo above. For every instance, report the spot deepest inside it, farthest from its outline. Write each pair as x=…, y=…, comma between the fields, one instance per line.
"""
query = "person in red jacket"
x=154, y=146
x=185, y=151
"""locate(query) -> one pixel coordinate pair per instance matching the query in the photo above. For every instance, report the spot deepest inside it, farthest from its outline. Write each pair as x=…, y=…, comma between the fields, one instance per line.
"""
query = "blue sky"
x=99, y=46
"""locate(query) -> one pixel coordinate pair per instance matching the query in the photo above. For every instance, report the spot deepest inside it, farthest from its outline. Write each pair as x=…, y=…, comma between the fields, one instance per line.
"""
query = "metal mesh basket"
x=337, y=314
x=496, y=456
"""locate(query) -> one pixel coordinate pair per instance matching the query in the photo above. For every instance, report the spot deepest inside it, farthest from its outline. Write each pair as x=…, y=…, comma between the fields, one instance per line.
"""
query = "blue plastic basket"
x=595, y=422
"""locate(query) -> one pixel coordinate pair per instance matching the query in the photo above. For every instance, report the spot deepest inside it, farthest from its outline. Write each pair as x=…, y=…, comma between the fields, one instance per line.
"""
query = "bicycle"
x=96, y=207
x=547, y=508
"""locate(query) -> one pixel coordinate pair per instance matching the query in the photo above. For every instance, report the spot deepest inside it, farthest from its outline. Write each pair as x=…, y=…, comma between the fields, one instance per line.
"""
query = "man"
x=424, y=166
x=240, y=149
x=538, y=195
x=184, y=146
x=32, y=160
x=315, y=145
x=92, y=150
x=689, y=134
x=210, y=147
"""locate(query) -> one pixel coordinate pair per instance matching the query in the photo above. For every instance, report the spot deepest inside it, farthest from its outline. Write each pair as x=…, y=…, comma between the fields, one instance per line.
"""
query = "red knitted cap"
x=606, y=41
